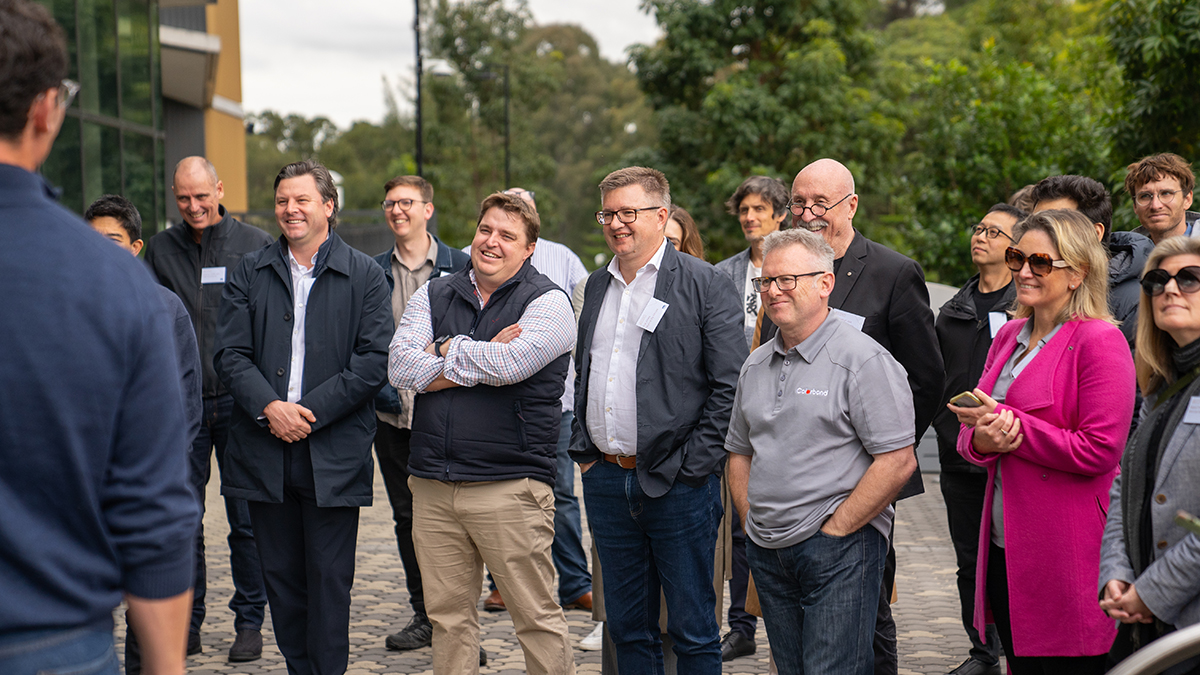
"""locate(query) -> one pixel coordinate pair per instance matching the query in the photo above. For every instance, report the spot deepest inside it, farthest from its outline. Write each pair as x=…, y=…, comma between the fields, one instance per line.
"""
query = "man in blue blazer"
x=659, y=351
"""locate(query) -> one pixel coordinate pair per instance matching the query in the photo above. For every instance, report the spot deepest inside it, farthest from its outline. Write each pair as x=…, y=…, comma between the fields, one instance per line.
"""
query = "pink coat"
x=1075, y=402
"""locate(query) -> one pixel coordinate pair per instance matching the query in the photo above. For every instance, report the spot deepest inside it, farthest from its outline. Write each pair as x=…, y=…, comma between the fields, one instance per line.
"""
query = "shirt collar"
x=1027, y=333
x=812, y=345
x=655, y=262
x=295, y=264
x=430, y=255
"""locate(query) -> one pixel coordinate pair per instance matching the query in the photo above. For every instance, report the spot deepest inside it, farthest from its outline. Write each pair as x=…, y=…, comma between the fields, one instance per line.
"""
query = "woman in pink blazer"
x=1057, y=397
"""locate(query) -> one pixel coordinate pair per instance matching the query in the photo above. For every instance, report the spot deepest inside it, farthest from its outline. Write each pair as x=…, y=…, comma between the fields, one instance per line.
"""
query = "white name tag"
x=849, y=318
x=652, y=314
x=212, y=275
x=1192, y=416
x=997, y=320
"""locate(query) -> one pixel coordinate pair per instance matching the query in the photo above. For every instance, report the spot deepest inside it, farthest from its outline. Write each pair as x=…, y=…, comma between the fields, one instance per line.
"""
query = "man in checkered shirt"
x=486, y=348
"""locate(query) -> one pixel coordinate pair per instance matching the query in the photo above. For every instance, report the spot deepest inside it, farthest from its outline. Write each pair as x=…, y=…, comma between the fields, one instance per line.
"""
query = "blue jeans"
x=647, y=544
x=819, y=600
x=249, y=597
x=567, y=551
x=78, y=651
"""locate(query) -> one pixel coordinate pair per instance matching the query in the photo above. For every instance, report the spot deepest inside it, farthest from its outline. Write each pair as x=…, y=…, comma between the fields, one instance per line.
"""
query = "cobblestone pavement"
x=931, y=638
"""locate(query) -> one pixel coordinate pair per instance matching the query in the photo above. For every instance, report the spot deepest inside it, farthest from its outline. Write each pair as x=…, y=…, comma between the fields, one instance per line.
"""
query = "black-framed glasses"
x=626, y=216
x=1039, y=263
x=405, y=204
x=784, y=282
x=991, y=232
x=1164, y=196
x=1187, y=279
x=818, y=210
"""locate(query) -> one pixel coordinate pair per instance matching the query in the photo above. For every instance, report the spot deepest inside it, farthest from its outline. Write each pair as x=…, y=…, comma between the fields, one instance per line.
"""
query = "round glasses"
x=1039, y=263
x=1164, y=196
x=818, y=210
x=405, y=204
x=1187, y=279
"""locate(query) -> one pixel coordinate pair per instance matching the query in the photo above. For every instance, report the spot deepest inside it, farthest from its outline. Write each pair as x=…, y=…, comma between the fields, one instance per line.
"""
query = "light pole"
x=417, y=30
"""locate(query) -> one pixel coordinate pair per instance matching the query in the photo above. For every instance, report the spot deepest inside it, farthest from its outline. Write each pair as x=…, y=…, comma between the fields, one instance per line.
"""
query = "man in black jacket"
x=883, y=294
x=487, y=350
x=192, y=259
x=966, y=325
x=302, y=347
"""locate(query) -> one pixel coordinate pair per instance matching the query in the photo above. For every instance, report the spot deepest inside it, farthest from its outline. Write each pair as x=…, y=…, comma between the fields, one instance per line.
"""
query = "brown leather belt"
x=623, y=461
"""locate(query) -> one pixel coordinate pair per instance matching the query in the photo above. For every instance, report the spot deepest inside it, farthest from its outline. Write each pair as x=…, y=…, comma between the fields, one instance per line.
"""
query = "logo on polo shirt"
x=812, y=392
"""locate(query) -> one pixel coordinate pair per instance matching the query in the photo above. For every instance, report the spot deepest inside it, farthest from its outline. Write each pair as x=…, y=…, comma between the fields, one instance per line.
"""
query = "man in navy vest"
x=486, y=348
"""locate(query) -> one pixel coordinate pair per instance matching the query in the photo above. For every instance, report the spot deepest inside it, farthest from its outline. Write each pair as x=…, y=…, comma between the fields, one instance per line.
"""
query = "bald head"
x=523, y=194
x=195, y=164
x=198, y=193
x=827, y=187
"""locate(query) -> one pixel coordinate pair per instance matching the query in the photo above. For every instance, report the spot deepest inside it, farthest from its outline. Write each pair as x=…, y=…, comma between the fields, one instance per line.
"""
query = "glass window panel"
x=61, y=168
x=97, y=57
x=64, y=13
x=141, y=185
x=101, y=161
x=137, y=91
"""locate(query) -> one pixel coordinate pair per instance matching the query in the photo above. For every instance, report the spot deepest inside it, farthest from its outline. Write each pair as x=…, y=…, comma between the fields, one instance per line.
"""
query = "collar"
x=296, y=264
x=430, y=256
x=655, y=262
x=1027, y=333
x=332, y=254
x=812, y=345
x=16, y=180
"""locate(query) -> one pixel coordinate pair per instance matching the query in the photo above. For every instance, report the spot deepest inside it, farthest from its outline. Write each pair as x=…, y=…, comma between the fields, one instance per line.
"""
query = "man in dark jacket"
x=487, y=350
x=417, y=257
x=192, y=259
x=966, y=325
x=302, y=347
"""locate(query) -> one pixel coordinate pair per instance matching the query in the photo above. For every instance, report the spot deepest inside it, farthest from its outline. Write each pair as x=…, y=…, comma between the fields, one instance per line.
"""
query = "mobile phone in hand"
x=966, y=400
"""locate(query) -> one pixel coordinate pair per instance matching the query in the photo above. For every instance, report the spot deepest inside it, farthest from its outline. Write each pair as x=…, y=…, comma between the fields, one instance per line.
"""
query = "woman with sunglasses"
x=1056, y=399
x=1149, y=566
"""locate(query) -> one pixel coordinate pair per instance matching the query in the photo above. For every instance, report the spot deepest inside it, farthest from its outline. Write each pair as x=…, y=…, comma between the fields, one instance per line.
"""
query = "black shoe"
x=417, y=634
x=482, y=657
x=194, y=647
x=247, y=646
x=735, y=645
x=974, y=666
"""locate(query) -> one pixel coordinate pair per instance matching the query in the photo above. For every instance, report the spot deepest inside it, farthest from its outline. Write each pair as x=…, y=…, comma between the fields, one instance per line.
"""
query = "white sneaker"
x=594, y=642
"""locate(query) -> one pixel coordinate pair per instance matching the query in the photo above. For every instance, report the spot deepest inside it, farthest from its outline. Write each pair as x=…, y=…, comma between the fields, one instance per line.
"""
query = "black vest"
x=486, y=433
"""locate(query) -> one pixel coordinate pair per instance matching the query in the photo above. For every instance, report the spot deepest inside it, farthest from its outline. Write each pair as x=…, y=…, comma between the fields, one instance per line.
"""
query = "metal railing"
x=1161, y=654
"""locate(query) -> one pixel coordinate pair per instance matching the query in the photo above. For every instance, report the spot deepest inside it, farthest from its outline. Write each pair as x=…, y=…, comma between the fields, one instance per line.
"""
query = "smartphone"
x=1188, y=521
x=966, y=400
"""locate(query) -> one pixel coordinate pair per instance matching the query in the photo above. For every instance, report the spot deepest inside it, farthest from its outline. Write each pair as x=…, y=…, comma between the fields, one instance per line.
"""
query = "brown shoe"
x=582, y=602
x=494, y=603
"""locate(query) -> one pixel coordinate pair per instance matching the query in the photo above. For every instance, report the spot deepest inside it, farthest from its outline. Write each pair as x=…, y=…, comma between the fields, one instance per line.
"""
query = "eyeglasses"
x=784, y=282
x=67, y=89
x=1164, y=196
x=626, y=216
x=818, y=210
x=1039, y=263
x=1186, y=279
x=518, y=193
x=405, y=204
x=991, y=232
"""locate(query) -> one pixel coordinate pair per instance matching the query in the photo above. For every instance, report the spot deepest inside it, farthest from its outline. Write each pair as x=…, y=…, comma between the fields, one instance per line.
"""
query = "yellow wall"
x=225, y=135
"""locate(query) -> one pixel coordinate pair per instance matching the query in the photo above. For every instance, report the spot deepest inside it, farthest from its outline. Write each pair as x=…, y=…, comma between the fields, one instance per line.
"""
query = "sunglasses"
x=1039, y=263
x=1187, y=279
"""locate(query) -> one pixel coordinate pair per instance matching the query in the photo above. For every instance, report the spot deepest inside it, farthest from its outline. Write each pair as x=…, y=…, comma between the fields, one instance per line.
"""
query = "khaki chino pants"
x=509, y=525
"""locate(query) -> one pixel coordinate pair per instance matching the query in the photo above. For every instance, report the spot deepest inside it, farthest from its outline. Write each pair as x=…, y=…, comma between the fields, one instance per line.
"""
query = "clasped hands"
x=995, y=432
x=289, y=421
x=1122, y=602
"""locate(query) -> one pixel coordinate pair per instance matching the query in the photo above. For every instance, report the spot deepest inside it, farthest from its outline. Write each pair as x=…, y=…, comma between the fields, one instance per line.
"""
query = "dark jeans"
x=249, y=599
x=567, y=551
x=739, y=619
x=78, y=651
x=997, y=594
x=819, y=600
x=887, y=660
x=307, y=556
x=648, y=545
x=963, y=494
x=392, y=449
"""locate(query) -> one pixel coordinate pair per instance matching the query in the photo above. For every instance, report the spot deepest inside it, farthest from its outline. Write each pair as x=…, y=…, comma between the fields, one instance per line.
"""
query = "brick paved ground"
x=931, y=639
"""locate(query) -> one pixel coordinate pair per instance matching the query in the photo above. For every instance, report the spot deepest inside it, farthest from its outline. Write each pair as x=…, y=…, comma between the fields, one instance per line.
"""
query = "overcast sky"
x=315, y=57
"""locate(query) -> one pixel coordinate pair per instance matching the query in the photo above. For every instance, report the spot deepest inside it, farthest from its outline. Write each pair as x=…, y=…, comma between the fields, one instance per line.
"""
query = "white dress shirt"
x=302, y=283
x=616, y=341
x=564, y=268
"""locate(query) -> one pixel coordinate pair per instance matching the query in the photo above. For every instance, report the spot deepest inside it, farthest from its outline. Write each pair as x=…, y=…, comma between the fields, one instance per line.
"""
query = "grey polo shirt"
x=811, y=417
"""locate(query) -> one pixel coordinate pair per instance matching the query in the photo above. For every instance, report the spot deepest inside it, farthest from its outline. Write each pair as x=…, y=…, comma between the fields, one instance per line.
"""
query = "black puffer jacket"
x=1128, y=252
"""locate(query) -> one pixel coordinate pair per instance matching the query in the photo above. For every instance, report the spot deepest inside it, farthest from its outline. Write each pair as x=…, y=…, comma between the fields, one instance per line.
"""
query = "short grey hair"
x=812, y=242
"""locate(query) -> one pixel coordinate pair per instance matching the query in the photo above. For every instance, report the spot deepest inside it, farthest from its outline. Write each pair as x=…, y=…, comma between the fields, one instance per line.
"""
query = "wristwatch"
x=437, y=344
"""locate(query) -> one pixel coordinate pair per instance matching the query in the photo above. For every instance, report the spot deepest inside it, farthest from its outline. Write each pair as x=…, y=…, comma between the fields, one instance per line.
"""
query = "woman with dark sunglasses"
x=1149, y=566
x=1057, y=397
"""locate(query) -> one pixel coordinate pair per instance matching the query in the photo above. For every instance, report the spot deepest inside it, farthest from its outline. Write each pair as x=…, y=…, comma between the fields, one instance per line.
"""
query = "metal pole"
x=417, y=30
x=507, y=132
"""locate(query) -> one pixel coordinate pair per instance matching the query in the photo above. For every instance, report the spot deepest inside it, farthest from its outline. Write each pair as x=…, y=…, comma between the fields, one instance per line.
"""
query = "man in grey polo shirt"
x=818, y=510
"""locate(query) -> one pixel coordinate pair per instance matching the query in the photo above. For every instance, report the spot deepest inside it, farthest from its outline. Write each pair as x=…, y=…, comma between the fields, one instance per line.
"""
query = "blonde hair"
x=1074, y=235
x=1153, y=344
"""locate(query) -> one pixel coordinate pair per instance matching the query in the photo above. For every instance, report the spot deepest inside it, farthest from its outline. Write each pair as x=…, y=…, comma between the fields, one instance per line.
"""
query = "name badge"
x=853, y=320
x=996, y=321
x=652, y=314
x=212, y=275
x=1192, y=416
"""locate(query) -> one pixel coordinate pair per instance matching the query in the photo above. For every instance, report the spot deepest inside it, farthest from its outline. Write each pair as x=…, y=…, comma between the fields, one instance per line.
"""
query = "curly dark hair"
x=33, y=59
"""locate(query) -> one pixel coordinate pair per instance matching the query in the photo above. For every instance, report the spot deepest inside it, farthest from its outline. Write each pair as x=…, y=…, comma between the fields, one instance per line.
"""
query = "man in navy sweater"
x=93, y=463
